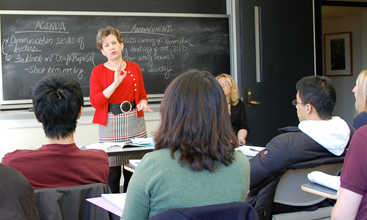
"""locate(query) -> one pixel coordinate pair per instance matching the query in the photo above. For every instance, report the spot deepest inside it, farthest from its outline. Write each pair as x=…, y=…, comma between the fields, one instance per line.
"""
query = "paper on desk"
x=250, y=150
x=324, y=179
x=104, y=204
x=134, y=162
x=102, y=146
x=143, y=141
x=116, y=199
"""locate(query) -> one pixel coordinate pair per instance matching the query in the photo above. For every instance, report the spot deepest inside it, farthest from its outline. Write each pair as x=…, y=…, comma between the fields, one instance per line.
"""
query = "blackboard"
x=36, y=45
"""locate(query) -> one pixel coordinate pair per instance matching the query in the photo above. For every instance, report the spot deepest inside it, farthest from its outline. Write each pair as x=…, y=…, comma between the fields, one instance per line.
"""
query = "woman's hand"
x=143, y=106
x=120, y=72
x=242, y=142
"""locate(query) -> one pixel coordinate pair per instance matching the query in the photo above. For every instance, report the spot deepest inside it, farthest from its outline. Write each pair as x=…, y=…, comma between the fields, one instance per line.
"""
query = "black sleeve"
x=243, y=118
x=273, y=161
x=238, y=117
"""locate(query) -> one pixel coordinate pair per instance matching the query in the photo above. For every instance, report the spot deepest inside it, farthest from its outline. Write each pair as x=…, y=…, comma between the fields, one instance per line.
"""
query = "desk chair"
x=226, y=211
x=289, y=192
x=69, y=203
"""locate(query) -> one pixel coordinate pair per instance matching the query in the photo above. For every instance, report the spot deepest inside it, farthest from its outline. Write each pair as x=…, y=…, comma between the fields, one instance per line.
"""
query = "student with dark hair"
x=16, y=196
x=195, y=162
x=57, y=104
x=319, y=136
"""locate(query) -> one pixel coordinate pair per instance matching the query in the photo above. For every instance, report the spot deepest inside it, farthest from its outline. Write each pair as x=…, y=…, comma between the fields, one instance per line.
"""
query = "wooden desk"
x=319, y=190
x=115, y=151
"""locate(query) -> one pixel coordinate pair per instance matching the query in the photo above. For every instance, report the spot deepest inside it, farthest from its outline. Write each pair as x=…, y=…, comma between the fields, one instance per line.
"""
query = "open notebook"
x=113, y=202
x=136, y=142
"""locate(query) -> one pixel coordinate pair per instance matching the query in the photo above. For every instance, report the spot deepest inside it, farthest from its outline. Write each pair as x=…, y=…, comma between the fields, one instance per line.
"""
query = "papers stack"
x=143, y=141
x=116, y=199
x=134, y=163
x=103, y=146
x=111, y=202
x=330, y=181
x=136, y=142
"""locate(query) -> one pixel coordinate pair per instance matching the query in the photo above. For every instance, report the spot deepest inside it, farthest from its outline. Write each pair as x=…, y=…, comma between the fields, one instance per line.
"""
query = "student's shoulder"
x=132, y=64
x=94, y=152
x=158, y=154
x=18, y=155
x=240, y=157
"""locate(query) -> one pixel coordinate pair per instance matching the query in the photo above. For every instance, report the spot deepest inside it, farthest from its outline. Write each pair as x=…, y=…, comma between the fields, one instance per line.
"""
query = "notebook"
x=113, y=203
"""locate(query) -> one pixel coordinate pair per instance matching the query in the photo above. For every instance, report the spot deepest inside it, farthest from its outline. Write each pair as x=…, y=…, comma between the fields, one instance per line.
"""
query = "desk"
x=115, y=151
x=319, y=190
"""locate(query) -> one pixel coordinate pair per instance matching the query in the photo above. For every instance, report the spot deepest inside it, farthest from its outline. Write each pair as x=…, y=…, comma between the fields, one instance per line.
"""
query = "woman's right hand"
x=120, y=72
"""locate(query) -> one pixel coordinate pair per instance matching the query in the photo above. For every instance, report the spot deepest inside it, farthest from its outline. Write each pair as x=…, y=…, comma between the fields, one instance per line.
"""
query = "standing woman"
x=236, y=107
x=117, y=93
x=360, y=93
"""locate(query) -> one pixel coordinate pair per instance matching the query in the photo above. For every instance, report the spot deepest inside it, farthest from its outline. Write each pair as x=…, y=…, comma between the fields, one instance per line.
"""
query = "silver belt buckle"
x=131, y=106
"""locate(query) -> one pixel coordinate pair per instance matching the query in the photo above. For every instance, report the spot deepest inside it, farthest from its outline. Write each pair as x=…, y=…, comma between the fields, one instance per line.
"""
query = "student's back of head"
x=195, y=121
x=319, y=92
x=57, y=103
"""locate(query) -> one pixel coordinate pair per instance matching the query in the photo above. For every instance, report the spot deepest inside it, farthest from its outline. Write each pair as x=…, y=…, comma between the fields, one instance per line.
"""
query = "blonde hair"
x=235, y=95
x=361, y=102
x=104, y=32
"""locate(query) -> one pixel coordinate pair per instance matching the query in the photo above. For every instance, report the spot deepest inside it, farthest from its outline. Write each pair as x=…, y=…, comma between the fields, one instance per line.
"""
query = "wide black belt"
x=124, y=107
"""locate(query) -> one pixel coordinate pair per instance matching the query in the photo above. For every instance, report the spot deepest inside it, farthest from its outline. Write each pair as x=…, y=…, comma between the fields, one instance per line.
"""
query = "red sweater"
x=59, y=165
x=131, y=88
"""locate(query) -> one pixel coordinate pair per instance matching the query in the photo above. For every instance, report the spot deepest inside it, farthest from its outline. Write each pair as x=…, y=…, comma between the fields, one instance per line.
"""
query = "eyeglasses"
x=223, y=84
x=294, y=102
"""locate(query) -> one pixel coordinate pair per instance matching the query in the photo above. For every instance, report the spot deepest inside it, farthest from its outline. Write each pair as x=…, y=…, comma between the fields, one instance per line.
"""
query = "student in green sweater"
x=194, y=162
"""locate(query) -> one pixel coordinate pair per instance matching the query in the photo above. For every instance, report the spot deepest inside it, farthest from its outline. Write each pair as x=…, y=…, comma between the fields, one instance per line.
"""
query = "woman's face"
x=355, y=89
x=227, y=89
x=111, y=48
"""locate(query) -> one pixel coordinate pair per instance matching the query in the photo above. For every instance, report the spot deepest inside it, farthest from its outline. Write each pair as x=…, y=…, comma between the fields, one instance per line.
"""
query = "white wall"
x=344, y=84
x=21, y=131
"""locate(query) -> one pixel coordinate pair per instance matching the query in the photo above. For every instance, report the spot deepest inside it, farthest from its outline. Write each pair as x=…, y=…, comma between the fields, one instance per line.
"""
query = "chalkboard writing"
x=33, y=46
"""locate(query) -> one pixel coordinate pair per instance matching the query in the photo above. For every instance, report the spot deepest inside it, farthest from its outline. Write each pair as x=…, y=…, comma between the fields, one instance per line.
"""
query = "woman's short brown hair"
x=195, y=121
x=104, y=32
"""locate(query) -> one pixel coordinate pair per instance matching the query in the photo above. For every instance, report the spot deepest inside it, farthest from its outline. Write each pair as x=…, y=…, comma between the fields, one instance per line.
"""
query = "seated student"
x=57, y=104
x=360, y=94
x=318, y=136
x=352, y=198
x=235, y=106
x=195, y=162
x=16, y=196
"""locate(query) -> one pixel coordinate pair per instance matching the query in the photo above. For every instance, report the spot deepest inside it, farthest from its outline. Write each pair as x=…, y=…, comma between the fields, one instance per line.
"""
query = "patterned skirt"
x=122, y=128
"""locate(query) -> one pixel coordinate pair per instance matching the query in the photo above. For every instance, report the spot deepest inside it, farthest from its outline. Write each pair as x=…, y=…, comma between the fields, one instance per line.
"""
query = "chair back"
x=226, y=211
x=289, y=192
x=70, y=203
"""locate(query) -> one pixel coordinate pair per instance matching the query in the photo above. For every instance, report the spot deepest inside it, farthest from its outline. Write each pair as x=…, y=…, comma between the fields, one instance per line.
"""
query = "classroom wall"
x=344, y=84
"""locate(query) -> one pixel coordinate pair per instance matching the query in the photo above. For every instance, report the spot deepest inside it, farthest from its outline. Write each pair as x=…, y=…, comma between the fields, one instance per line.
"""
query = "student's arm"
x=242, y=133
x=347, y=205
x=270, y=163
